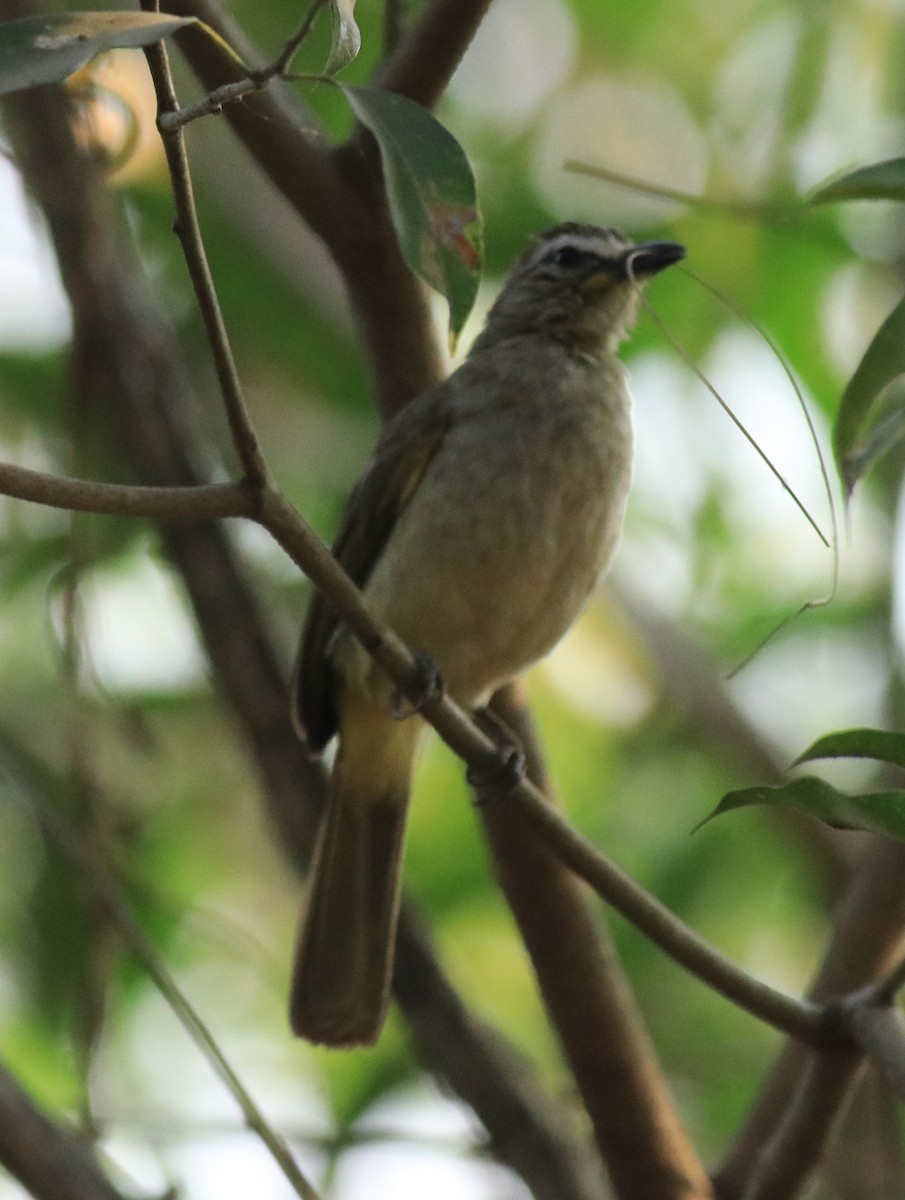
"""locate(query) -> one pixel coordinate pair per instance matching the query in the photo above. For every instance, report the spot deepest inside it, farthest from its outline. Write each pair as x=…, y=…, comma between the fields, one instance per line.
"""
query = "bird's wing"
x=397, y=466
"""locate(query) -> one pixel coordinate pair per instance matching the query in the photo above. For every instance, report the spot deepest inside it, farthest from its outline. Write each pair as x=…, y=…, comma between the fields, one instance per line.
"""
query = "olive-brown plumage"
x=489, y=508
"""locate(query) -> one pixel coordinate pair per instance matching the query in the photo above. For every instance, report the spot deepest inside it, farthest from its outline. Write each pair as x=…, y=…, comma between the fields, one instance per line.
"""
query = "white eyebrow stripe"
x=603, y=247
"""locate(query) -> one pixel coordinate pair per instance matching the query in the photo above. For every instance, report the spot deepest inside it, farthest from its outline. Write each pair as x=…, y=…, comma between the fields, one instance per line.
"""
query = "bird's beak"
x=651, y=257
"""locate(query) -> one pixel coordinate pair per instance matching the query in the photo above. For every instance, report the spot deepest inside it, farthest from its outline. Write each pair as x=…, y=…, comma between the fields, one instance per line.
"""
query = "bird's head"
x=580, y=283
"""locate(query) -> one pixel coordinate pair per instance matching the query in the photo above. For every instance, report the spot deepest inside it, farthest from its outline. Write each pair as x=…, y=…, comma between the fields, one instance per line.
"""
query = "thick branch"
x=49, y=1160
x=590, y=1003
x=424, y=60
x=340, y=195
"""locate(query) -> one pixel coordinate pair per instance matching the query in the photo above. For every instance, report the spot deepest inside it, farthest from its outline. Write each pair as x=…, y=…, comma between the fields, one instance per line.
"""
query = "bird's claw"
x=427, y=684
x=505, y=766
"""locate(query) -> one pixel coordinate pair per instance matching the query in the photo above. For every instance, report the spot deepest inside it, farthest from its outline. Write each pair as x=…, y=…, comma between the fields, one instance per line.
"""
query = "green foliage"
x=875, y=812
x=643, y=730
x=432, y=196
x=48, y=49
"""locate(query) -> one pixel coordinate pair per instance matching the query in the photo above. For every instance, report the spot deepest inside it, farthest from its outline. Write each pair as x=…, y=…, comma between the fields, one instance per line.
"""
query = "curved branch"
x=201, y=503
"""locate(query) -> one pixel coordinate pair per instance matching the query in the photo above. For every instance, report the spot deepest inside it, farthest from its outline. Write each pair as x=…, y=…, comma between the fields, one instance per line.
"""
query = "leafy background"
x=105, y=692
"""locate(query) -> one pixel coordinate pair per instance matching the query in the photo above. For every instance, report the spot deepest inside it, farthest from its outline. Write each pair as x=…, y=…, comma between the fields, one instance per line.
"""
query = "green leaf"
x=883, y=361
x=858, y=743
x=874, y=812
x=432, y=195
x=47, y=49
x=880, y=181
x=345, y=39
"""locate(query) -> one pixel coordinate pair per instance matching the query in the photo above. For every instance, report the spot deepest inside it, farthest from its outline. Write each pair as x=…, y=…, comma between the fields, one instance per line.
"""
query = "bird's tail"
x=343, y=966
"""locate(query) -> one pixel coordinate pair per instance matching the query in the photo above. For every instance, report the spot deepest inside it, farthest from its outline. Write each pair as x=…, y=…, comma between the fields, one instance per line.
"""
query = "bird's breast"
x=497, y=552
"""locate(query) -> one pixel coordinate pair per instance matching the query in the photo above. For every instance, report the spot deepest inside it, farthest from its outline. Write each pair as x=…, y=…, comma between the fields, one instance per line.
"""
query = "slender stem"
x=189, y=233
x=753, y=210
x=213, y=102
x=286, y=55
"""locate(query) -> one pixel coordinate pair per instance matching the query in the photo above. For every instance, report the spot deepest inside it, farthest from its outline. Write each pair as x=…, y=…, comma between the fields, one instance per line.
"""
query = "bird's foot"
x=427, y=684
x=505, y=766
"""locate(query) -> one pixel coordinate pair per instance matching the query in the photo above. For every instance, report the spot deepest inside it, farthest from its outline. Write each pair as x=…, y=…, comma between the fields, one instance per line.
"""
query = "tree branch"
x=806, y=1126
x=339, y=193
x=588, y=999
x=200, y=503
x=49, y=1160
x=244, y=438
x=881, y=1031
x=424, y=60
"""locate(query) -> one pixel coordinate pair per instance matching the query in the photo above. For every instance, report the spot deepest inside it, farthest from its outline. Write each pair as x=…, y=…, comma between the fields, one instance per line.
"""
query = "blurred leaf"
x=345, y=39
x=883, y=361
x=880, y=181
x=875, y=812
x=858, y=743
x=47, y=49
x=432, y=194
x=28, y=560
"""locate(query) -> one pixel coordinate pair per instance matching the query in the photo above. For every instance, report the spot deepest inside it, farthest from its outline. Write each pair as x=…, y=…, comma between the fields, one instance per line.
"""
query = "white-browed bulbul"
x=490, y=507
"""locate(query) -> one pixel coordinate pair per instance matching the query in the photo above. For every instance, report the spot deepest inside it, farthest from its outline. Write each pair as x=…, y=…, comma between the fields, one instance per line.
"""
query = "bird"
x=490, y=506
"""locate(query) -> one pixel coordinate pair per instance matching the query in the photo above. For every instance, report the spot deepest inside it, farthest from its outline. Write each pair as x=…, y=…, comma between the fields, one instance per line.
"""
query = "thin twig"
x=819, y=601
x=257, y=78
x=281, y=63
x=201, y=503
x=189, y=233
x=754, y=210
x=107, y=890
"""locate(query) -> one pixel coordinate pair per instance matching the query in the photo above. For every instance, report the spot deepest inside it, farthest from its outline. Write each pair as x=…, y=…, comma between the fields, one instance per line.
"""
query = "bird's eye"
x=566, y=257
